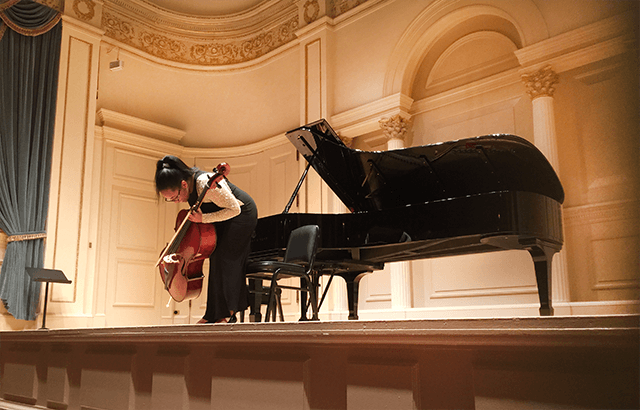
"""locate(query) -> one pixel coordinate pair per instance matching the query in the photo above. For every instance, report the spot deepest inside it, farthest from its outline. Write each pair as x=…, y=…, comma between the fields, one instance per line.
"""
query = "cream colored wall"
x=231, y=107
x=450, y=67
x=602, y=180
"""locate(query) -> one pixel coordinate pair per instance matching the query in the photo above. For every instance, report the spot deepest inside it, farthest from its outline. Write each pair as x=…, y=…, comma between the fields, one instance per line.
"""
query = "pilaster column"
x=316, y=41
x=395, y=129
x=540, y=87
x=69, y=221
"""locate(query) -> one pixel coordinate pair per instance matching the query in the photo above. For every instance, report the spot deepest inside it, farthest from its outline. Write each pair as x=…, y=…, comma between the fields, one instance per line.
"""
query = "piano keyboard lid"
x=376, y=180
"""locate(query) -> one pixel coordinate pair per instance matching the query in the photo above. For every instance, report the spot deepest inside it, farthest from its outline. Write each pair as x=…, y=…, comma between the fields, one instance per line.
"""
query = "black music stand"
x=47, y=276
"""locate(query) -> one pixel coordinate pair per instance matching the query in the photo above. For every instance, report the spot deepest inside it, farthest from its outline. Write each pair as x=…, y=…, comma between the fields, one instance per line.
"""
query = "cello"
x=181, y=261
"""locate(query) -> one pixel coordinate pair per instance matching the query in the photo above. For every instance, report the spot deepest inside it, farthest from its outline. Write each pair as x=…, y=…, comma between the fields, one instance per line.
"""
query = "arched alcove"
x=476, y=49
x=443, y=23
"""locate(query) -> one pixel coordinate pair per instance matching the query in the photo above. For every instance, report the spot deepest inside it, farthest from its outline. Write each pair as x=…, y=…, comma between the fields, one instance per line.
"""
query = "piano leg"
x=352, y=298
x=542, y=256
x=542, y=253
x=353, y=286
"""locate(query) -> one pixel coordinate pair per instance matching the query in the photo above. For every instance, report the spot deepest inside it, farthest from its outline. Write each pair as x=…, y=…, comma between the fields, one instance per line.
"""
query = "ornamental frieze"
x=233, y=52
x=197, y=51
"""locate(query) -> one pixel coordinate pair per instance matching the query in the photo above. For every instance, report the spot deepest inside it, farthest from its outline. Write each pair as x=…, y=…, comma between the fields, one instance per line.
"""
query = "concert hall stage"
x=525, y=363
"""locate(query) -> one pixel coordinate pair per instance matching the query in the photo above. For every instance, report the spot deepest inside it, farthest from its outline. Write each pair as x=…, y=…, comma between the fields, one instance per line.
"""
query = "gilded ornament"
x=84, y=9
x=541, y=83
x=394, y=127
x=311, y=11
x=26, y=237
x=161, y=46
x=183, y=50
x=118, y=29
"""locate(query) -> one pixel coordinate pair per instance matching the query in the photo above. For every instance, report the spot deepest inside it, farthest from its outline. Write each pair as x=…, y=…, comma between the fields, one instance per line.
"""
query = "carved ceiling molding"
x=206, y=41
x=202, y=41
x=267, y=13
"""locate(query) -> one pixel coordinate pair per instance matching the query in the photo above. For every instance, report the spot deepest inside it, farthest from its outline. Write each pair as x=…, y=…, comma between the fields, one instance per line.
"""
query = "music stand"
x=47, y=276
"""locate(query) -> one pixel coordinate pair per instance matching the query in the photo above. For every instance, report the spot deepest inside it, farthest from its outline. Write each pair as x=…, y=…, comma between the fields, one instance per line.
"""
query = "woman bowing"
x=234, y=214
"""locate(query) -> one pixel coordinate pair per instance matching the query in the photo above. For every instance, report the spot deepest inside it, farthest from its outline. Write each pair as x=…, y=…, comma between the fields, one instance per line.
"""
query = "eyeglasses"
x=176, y=197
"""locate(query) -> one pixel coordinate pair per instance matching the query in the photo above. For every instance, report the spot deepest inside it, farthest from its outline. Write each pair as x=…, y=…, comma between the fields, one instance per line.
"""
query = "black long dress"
x=227, y=288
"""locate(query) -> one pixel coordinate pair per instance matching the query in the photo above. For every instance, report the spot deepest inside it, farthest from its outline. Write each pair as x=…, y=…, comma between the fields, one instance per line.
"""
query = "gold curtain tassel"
x=26, y=237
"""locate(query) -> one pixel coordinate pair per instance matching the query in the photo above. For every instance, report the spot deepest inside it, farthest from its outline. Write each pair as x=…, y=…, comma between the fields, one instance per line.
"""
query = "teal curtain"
x=30, y=38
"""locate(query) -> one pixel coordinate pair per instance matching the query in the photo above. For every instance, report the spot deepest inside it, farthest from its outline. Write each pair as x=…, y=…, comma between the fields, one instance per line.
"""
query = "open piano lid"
x=376, y=180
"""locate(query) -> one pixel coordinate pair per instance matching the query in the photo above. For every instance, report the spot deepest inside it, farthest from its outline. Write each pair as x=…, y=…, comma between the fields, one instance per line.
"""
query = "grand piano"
x=474, y=195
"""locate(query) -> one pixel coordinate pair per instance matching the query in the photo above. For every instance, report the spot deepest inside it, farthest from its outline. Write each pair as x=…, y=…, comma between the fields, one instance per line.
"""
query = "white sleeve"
x=222, y=196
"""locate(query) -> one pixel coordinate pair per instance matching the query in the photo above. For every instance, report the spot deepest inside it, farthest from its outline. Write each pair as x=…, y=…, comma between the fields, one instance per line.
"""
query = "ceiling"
x=206, y=7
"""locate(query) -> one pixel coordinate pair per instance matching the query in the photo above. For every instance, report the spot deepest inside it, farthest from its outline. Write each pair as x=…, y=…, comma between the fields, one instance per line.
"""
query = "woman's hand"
x=196, y=216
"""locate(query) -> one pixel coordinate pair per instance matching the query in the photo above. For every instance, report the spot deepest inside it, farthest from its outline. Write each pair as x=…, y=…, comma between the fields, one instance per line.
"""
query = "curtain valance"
x=26, y=17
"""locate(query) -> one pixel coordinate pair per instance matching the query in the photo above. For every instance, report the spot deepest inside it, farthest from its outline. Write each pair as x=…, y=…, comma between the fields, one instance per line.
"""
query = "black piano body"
x=475, y=195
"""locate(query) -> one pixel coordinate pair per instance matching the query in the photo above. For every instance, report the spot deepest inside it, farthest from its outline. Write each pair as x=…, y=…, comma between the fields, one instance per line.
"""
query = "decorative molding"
x=558, y=47
x=495, y=84
x=219, y=40
x=438, y=19
x=599, y=73
x=265, y=14
x=84, y=9
x=481, y=292
x=244, y=150
x=617, y=284
x=541, y=83
x=364, y=119
x=599, y=213
x=192, y=51
x=82, y=26
x=128, y=140
x=489, y=108
x=201, y=41
x=126, y=131
x=311, y=11
x=494, y=65
x=139, y=126
x=395, y=127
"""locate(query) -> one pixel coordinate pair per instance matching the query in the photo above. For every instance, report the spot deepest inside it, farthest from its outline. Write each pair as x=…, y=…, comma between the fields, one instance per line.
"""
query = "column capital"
x=541, y=83
x=395, y=127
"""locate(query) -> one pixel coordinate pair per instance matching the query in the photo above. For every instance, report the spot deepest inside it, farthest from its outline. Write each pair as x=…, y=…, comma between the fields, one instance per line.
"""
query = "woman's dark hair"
x=170, y=172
